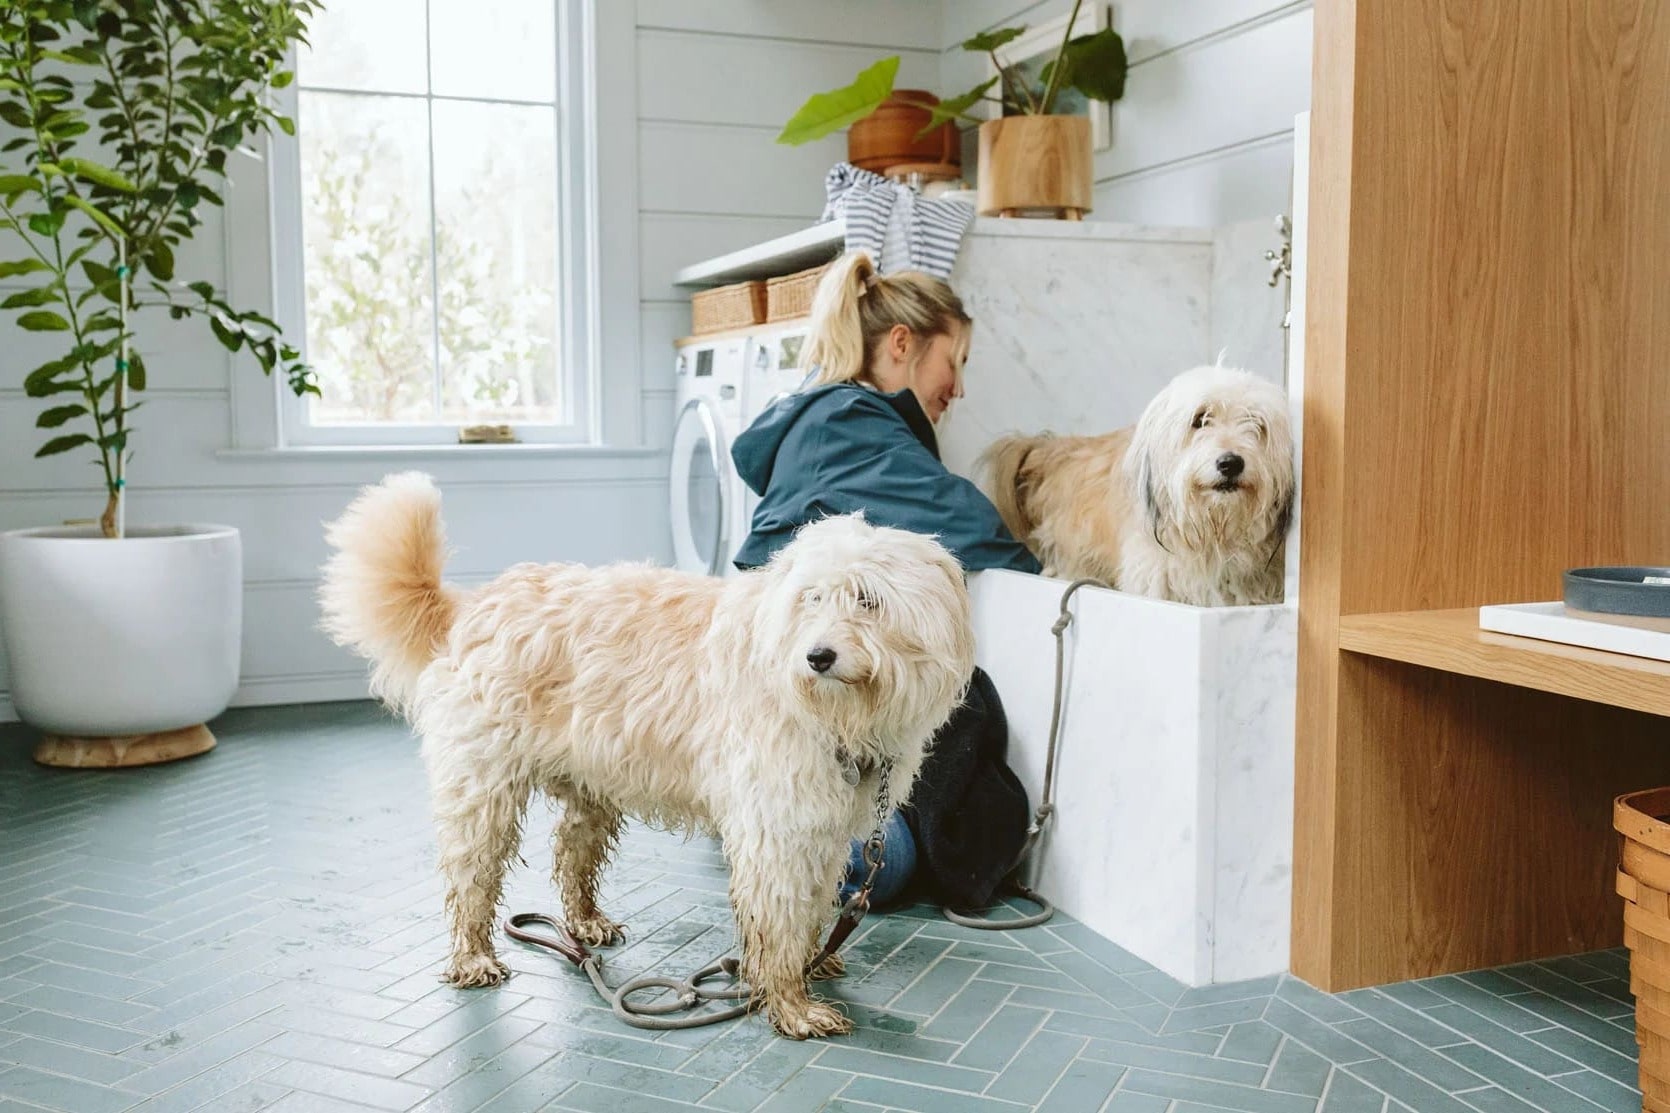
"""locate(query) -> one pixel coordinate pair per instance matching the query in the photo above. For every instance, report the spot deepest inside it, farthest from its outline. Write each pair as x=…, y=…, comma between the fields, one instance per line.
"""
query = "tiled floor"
x=260, y=929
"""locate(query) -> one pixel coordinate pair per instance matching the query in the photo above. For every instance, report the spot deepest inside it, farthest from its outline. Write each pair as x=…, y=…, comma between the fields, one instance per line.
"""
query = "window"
x=430, y=218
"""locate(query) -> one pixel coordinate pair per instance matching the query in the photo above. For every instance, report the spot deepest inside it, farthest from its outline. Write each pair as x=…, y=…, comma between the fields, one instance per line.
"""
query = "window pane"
x=496, y=249
x=365, y=228
x=375, y=45
x=495, y=48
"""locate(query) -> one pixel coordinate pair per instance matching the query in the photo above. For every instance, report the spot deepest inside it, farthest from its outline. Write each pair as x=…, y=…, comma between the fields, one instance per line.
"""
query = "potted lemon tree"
x=1032, y=156
x=118, y=119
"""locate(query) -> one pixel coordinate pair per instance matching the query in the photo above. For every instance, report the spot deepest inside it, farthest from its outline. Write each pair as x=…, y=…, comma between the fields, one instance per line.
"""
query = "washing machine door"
x=703, y=490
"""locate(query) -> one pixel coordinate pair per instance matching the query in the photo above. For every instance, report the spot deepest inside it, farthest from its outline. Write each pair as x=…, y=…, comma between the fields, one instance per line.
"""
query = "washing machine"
x=773, y=370
x=708, y=511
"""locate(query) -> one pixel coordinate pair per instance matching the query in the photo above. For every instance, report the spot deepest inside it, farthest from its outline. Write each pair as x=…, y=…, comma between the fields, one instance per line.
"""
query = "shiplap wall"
x=1204, y=134
x=716, y=81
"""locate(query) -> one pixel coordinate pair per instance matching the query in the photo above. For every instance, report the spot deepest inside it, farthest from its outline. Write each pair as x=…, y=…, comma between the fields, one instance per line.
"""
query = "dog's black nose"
x=821, y=658
x=1230, y=465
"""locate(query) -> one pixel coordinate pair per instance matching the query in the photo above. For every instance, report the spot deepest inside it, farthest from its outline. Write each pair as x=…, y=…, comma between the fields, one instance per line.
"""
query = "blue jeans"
x=898, y=863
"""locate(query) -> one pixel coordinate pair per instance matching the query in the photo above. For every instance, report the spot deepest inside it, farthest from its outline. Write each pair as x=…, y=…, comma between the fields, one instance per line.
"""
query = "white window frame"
x=580, y=164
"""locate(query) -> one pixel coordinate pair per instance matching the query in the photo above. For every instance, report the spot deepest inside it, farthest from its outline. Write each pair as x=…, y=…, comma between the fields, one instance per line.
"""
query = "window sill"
x=341, y=452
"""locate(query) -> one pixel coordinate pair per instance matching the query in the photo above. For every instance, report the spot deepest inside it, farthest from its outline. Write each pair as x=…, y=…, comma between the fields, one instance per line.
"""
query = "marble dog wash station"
x=1174, y=782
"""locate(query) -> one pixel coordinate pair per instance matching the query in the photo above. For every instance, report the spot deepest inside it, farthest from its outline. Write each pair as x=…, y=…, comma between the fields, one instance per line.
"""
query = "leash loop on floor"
x=1046, y=807
x=690, y=993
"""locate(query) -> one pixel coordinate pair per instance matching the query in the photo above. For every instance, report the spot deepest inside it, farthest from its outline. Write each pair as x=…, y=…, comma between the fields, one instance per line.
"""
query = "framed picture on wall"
x=1027, y=56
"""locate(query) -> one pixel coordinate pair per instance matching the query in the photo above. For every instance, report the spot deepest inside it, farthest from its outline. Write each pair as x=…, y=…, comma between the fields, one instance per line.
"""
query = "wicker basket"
x=1644, y=883
x=790, y=296
x=726, y=307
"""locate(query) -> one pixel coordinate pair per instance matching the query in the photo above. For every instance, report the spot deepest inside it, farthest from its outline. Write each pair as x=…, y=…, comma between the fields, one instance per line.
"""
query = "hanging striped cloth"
x=899, y=230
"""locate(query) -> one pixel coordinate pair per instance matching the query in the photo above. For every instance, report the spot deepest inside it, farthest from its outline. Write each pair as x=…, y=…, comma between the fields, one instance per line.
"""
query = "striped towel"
x=899, y=229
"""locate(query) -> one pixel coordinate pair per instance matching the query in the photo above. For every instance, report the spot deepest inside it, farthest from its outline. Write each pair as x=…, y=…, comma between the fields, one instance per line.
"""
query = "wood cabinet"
x=1486, y=403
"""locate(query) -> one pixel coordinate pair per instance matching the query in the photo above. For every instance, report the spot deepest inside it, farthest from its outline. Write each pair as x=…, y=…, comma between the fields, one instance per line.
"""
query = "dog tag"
x=849, y=769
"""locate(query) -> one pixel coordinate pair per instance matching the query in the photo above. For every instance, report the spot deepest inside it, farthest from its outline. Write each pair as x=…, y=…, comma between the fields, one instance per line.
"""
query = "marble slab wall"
x=1174, y=774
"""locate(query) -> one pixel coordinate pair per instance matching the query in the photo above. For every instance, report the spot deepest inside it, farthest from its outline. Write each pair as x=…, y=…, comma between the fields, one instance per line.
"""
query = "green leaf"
x=160, y=261
x=136, y=371
x=230, y=340
x=39, y=383
x=100, y=218
x=282, y=79
x=42, y=320
x=25, y=299
x=956, y=107
x=826, y=113
x=97, y=273
x=12, y=184
x=1096, y=65
x=22, y=266
x=46, y=224
x=98, y=175
x=987, y=41
x=286, y=125
x=63, y=444
x=57, y=415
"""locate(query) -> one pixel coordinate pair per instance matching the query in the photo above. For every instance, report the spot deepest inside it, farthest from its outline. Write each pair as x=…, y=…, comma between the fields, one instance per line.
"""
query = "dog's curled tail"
x=1003, y=466
x=382, y=594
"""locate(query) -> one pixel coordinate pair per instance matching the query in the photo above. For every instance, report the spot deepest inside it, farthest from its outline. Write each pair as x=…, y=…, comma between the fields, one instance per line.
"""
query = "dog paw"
x=831, y=967
x=812, y=1020
x=597, y=931
x=473, y=971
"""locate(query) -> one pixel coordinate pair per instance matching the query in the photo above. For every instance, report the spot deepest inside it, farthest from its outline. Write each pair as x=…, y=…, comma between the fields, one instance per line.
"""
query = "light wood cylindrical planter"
x=1035, y=164
x=1644, y=883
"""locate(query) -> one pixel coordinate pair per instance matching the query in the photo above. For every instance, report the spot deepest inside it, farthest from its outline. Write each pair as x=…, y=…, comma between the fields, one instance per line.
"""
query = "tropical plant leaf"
x=42, y=320
x=57, y=415
x=1095, y=65
x=63, y=444
x=826, y=113
x=987, y=41
x=956, y=107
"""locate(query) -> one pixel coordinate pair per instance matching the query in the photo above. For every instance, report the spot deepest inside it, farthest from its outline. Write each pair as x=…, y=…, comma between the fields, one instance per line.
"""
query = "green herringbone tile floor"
x=260, y=928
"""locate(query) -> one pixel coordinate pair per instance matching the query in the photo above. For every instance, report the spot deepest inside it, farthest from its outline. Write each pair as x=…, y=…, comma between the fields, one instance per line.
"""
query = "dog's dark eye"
x=813, y=598
x=1200, y=419
x=866, y=601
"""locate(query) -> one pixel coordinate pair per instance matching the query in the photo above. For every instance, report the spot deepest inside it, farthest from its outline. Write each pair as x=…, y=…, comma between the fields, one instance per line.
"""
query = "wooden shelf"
x=784, y=255
x=1452, y=642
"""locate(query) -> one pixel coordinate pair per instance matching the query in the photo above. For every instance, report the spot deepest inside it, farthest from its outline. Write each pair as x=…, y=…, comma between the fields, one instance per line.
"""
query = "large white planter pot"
x=134, y=637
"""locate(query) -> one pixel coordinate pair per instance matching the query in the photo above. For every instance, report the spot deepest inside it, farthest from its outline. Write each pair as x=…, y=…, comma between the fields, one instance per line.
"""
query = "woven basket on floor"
x=1644, y=883
x=724, y=307
x=790, y=296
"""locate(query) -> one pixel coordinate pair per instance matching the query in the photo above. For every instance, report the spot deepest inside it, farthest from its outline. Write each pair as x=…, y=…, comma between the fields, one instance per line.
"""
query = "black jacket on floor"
x=968, y=810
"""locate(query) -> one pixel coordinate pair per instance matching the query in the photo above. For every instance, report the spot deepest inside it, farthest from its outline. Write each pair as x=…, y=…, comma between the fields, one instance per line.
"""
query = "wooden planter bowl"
x=1035, y=164
x=887, y=136
x=1644, y=883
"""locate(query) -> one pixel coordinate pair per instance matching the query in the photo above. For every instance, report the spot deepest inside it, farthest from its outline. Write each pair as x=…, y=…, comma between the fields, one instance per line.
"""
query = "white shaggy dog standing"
x=727, y=706
x=1191, y=504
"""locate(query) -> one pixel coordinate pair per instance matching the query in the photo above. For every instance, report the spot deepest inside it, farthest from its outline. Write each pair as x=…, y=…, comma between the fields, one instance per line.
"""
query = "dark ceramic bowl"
x=1623, y=590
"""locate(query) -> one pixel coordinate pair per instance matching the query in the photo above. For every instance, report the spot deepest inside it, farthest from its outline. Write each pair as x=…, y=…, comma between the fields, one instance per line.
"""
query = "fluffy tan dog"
x=1190, y=504
x=732, y=707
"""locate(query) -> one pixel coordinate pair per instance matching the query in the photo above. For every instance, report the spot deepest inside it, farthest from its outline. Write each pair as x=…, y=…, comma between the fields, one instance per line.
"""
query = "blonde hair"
x=854, y=307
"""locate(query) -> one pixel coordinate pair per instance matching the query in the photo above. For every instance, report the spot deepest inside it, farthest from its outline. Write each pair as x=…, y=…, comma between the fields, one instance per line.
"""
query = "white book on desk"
x=1554, y=623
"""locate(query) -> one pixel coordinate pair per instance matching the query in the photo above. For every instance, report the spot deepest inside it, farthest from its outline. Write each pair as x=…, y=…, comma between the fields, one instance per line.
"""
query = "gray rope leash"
x=1046, y=806
x=689, y=993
